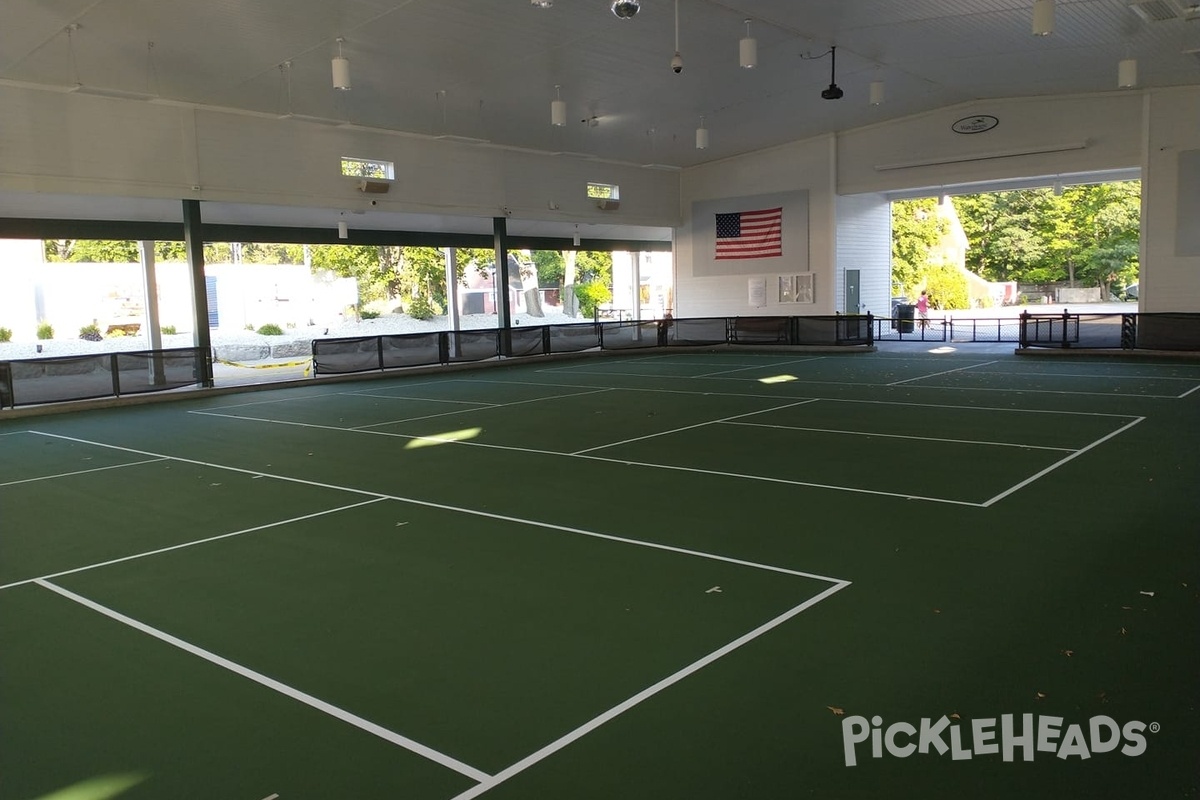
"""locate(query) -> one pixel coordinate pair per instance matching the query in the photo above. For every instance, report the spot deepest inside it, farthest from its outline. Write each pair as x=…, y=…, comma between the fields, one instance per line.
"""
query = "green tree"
x=916, y=230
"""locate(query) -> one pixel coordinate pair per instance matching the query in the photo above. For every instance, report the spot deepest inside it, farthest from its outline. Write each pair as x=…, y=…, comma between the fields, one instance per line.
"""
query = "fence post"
x=1065, y=343
x=116, y=375
x=1022, y=333
x=379, y=352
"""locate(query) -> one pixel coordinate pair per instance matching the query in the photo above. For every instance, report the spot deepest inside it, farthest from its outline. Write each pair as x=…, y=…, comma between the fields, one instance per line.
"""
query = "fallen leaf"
x=955, y=716
x=937, y=611
x=1067, y=653
x=837, y=711
x=1123, y=631
x=1148, y=594
x=1040, y=695
x=1127, y=608
x=1102, y=697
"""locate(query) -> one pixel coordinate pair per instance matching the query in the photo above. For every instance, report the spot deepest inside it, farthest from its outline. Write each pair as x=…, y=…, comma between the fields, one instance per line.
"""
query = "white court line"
x=1059, y=463
x=943, y=372
x=902, y=436
x=277, y=400
x=484, y=514
x=136, y=556
x=489, y=405
x=690, y=427
x=1189, y=391
x=410, y=397
x=81, y=472
x=614, y=712
x=759, y=366
x=13, y=433
x=1080, y=375
x=274, y=685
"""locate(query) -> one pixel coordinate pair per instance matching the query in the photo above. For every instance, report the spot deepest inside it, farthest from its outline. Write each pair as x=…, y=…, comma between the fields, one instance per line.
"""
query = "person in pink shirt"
x=923, y=309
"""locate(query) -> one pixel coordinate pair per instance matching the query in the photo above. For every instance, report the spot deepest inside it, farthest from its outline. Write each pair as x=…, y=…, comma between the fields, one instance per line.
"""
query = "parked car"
x=1130, y=292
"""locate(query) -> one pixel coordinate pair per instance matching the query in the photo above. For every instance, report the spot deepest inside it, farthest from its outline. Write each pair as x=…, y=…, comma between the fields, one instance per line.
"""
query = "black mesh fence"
x=472, y=345
x=574, y=338
x=628, y=335
x=984, y=330
x=530, y=341
x=1166, y=331
x=412, y=350
x=1080, y=331
x=55, y=380
x=360, y=354
x=696, y=332
x=760, y=330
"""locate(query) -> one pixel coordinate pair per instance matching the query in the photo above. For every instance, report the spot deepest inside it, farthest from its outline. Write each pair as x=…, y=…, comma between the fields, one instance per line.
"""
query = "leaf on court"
x=398, y=524
x=716, y=589
x=837, y=712
x=1123, y=631
x=955, y=716
x=214, y=484
x=1041, y=695
x=1127, y=608
x=1102, y=697
x=937, y=611
x=1067, y=653
x=1148, y=594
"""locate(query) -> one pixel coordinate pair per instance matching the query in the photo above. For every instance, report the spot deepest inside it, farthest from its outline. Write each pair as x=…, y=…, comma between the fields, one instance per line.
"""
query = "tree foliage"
x=1086, y=236
x=916, y=231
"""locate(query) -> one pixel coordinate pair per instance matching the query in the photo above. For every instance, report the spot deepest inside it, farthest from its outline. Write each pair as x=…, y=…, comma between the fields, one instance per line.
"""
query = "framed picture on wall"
x=806, y=287
x=787, y=288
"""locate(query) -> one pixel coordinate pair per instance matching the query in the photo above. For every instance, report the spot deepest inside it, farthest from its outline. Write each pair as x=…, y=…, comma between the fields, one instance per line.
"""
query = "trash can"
x=905, y=314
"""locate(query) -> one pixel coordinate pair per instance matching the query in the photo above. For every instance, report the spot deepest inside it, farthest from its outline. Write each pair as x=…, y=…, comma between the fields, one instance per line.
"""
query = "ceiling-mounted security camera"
x=625, y=8
x=677, y=63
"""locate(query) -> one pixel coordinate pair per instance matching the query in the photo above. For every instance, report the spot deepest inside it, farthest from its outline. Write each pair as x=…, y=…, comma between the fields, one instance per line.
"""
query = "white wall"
x=805, y=165
x=1169, y=282
x=80, y=144
x=864, y=242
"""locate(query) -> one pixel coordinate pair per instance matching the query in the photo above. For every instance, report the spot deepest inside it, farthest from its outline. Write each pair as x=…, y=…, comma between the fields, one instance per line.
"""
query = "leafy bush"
x=5, y=335
x=368, y=314
x=45, y=331
x=168, y=330
x=947, y=288
x=90, y=333
x=590, y=295
x=270, y=329
x=117, y=333
x=421, y=308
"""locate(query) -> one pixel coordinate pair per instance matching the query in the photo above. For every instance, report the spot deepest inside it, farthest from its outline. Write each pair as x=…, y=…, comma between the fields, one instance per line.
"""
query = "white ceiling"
x=487, y=69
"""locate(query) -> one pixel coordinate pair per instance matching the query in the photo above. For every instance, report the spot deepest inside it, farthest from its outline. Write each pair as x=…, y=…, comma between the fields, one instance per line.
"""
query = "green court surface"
x=683, y=575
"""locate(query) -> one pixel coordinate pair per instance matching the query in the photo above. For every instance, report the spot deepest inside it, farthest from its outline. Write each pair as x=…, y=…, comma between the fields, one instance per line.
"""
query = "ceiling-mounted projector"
x=834, y=92
x=625, y=8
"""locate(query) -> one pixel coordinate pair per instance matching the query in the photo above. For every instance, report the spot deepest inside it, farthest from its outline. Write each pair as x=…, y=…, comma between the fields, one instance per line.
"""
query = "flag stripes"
x=750, y=234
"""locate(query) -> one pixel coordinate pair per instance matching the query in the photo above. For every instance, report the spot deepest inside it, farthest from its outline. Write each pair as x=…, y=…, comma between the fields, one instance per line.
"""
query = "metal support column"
x=503, y=311
x=193, y=241
x=151, y=320
x=452, y=319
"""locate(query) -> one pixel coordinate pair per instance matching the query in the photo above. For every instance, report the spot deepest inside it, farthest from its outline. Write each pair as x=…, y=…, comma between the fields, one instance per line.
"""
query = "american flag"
x=750, y=234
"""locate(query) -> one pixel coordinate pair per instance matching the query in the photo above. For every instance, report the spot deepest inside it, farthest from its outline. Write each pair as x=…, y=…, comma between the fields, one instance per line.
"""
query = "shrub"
x=90, y=333
x=270, y=329
x=117, y=333
x=5, y=335
x=421, y=308
x=947, y=288
x=590, y=295
x=45, y=331
x=368, y=314
x=168, y=330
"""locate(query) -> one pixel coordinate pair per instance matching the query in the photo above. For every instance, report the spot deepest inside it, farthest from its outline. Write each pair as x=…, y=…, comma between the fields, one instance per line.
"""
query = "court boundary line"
x=1189, y=391
x=884, y=385
x=468, y=511
x=193, y=543
x=902, y=436
x=1059, y=463
x=626, y=462
x=589, y=390
x=636, y=699
x=278, y=686
x=762, y=366
x=690, y=427
x=943, y=372
x=81, y=472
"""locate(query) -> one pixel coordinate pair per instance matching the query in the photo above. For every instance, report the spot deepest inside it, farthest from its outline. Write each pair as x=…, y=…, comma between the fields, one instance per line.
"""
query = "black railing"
x=52, y=380
x=1161, y=331
x=376, y=353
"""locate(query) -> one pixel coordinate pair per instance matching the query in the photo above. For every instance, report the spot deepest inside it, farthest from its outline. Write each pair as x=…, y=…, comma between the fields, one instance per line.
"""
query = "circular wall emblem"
x=979, y=124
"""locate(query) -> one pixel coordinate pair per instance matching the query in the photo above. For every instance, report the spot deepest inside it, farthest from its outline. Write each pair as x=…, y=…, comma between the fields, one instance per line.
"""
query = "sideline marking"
x=944, y=372
x=190, y=544
x=83, y=472
x=614, y=712
x=1059, y=463
x=274, y=685
x=14, y=433
x=902, y=436
x=486, y=514
x=1189, y=391
x=488, y=405
x=690, y=427
x=760, y=366
x=420, y=399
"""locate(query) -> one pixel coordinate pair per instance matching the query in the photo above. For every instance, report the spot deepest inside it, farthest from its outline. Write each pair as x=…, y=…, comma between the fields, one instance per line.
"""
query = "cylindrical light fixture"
x=575, y=241
x=1043, y=17
x=702, y=136
x=876, y=93
x=343, y=229
x=1127, y=73
x=341, y=69
x=748, y=50
x=558, y=108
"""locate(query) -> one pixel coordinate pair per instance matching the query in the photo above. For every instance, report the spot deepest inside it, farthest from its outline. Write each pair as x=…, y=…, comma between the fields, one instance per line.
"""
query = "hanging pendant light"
x=343, y=229
x=876, y=93
x=702, y=136
x=1043, y=17
x=1127, y=76
x=575, y=241
x=341, y=69
x=748, y=50
x=558, y=108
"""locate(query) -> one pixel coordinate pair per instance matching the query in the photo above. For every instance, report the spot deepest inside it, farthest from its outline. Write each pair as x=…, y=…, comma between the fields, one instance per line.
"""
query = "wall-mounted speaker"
x=368, y=186
x=608, y=204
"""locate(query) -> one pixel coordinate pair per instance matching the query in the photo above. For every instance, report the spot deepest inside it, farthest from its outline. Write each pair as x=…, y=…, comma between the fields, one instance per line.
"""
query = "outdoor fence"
x=53, y=380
